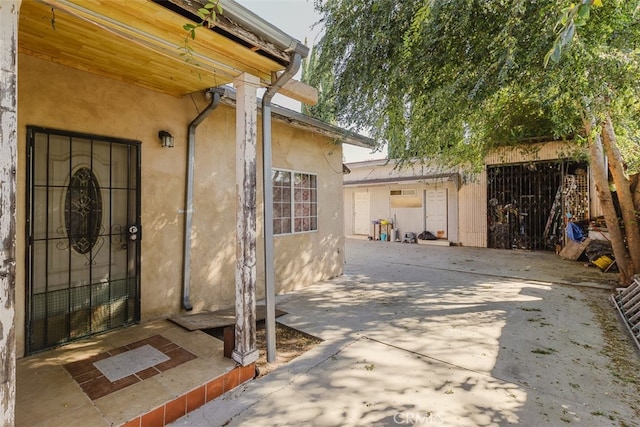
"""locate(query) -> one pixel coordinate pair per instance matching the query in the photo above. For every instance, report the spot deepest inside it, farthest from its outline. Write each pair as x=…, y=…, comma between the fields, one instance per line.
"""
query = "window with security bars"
x=295, y=202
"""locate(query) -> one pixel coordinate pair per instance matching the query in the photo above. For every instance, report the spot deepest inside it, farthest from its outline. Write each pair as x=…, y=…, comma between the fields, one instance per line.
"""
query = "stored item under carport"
x=603, y=263
x=410, y=238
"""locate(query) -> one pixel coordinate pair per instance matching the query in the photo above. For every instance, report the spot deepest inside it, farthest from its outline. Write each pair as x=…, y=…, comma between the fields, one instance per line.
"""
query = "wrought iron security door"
x=83, y=230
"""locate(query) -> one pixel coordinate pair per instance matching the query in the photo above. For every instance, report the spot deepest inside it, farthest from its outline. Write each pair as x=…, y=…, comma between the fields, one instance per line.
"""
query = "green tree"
x=323, y=110
x=450, y=80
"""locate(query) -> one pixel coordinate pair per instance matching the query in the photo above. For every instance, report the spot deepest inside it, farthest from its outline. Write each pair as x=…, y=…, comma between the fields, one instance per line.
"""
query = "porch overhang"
x=140, y=41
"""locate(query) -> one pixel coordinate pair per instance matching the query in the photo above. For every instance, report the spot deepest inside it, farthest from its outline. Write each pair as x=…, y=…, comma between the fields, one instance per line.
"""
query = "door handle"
x=134, y=232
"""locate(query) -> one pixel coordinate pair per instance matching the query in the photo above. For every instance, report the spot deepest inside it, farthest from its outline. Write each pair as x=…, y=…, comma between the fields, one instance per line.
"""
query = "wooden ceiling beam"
x=136, y=41
x=300, y=91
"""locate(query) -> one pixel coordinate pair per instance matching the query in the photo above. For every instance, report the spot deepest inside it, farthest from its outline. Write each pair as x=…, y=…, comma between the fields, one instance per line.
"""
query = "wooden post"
x=8, y=166
x=246, y=351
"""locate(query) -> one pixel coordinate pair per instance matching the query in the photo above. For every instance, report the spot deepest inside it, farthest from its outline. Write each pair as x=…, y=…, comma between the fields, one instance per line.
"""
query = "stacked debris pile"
x=597, y=252
x=600, y=253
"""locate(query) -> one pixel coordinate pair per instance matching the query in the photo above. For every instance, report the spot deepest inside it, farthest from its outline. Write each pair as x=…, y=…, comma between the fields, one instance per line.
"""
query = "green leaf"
x=188, y=27
x=557, y=53
x=209, y=6
x=203, y=11
x=554, y=54
x=568, y=34
x=583, y=11
x=547, y=57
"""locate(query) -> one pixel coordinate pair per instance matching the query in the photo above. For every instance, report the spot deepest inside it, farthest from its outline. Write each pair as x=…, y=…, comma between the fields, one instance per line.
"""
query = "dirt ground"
x=290, y=343
x=619, y=346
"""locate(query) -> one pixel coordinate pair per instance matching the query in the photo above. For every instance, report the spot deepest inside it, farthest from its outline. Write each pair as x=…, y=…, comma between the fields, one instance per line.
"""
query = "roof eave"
x=303, y=121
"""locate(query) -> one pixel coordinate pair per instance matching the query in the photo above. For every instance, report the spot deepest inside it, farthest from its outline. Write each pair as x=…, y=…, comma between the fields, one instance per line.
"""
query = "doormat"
x=128, y=363
x=96, y=384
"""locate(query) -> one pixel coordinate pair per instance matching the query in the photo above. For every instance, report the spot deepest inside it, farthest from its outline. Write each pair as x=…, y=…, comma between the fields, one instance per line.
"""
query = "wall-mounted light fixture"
x=166, y=139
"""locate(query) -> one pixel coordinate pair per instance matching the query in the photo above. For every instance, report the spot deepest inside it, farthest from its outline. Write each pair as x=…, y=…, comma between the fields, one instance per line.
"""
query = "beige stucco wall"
x=300, y=259
x=55, y=96
x=309, y=257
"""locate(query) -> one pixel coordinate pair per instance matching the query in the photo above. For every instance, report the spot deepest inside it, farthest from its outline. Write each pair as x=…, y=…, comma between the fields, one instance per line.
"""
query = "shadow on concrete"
x=411, y=338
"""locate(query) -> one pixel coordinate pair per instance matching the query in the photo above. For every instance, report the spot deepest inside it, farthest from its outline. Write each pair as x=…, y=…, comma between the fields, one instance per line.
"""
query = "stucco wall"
x=309, y=257
x=55, y=96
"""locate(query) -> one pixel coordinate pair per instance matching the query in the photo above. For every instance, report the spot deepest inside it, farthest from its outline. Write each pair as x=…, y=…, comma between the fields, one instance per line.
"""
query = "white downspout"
x=188, y=205
x=267, y=203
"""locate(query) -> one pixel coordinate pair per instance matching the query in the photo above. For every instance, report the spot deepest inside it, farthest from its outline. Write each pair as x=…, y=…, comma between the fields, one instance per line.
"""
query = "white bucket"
x=394, y=234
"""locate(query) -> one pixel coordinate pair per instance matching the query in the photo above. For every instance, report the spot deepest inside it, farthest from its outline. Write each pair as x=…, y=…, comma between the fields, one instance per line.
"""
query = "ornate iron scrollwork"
x=83, y=211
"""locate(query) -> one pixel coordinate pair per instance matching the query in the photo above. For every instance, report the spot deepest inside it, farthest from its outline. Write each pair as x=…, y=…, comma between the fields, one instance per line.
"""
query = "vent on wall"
x=406, y=192
x=405, y=198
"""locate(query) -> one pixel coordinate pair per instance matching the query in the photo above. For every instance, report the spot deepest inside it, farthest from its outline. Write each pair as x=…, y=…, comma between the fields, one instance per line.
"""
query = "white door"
x=361, y=213
x=436, y=212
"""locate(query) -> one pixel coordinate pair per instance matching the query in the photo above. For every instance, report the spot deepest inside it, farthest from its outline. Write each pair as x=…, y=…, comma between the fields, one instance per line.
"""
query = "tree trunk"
x=604, y=194
x=625, y=198
x=635, y=191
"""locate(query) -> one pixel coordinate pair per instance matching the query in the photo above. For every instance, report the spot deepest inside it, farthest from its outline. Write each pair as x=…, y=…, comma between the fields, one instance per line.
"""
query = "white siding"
x=473, y=212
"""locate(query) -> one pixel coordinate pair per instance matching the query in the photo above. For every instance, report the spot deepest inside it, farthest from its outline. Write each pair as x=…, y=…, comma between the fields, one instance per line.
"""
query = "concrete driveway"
x=450, y=336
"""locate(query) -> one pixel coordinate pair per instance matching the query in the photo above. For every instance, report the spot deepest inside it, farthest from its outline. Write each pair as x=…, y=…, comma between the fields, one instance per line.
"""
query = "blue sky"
x=297, y=19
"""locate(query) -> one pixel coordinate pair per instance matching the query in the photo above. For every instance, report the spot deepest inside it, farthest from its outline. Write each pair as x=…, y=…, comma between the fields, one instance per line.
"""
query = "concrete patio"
x=452, y=336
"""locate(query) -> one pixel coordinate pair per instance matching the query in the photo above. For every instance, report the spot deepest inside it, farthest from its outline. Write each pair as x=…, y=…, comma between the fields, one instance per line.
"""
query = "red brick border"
x=96, y=385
